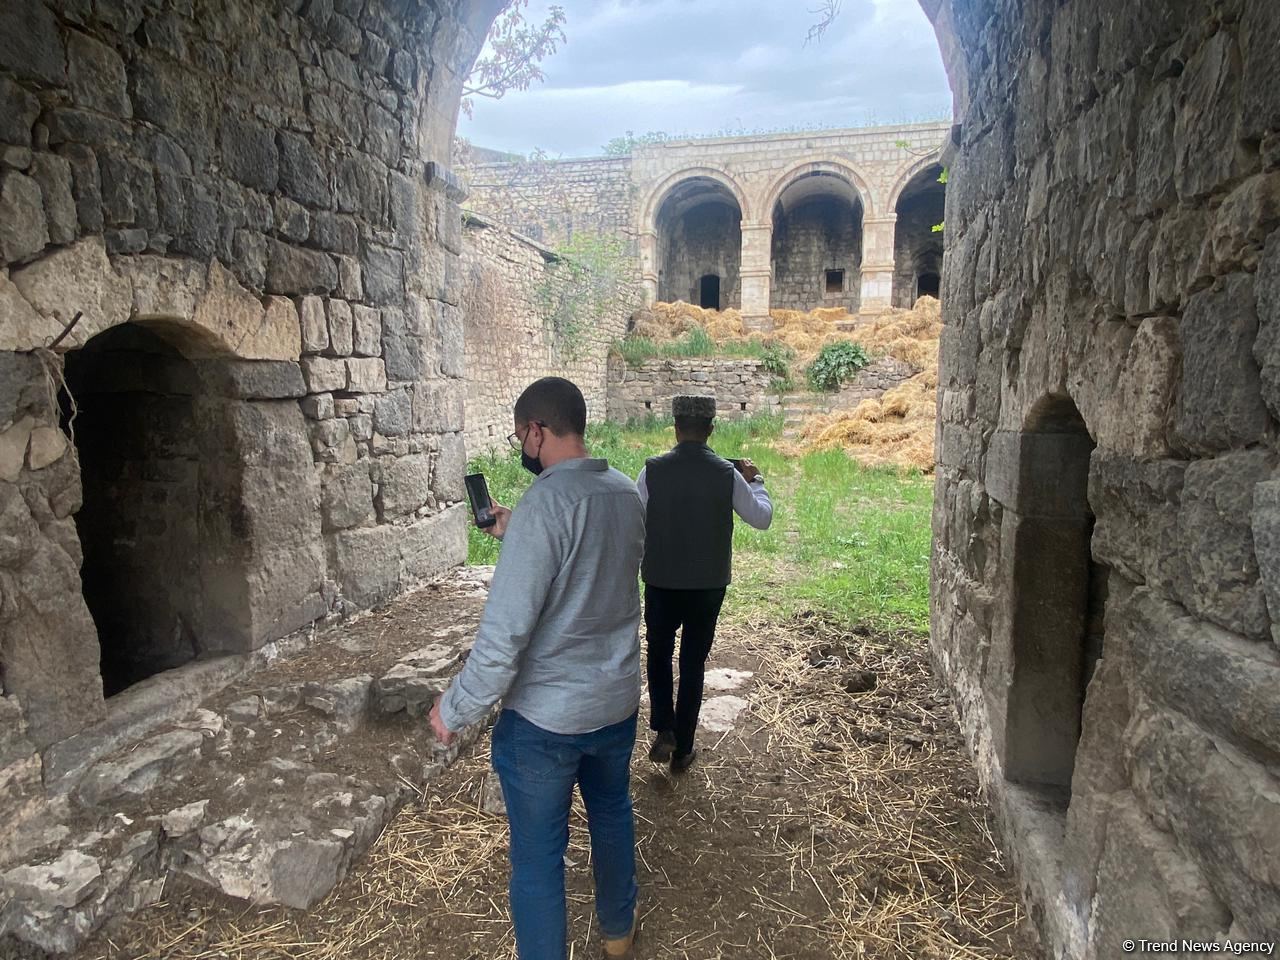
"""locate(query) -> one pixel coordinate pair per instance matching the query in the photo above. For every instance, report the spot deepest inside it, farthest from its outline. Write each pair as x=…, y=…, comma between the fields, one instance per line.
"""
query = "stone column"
x=755, y=272
x=648, y=241
x=877, y=263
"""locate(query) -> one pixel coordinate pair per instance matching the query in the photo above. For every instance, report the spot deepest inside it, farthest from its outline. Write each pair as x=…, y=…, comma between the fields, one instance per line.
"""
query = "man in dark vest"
x=690, y=496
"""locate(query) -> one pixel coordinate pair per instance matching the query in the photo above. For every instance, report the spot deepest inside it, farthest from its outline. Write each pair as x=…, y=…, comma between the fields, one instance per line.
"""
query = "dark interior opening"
x=136, y=431
x=928, y=285
x=835, y=281
x=1059, y=599
x=709, y=292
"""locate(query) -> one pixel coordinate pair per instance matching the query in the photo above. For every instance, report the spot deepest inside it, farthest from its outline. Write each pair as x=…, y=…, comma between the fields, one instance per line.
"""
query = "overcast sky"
x=698, y=67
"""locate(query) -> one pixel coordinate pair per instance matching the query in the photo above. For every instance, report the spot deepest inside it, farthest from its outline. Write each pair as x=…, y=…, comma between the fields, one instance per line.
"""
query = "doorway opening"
x=709, y=292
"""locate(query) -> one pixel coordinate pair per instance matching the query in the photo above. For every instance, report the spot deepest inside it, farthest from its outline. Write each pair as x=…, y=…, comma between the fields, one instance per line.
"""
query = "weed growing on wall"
x=593, y=280
x=836, y=363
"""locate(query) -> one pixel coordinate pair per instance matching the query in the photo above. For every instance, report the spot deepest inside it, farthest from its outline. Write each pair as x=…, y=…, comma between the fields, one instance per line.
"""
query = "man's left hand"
x=749, y=471
x=443, y=733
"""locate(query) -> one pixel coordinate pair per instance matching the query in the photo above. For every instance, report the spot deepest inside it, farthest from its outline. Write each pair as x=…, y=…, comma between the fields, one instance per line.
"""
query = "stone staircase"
x=799, y=407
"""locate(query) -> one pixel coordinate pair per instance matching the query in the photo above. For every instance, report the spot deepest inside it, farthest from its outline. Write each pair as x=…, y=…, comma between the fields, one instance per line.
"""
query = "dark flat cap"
x=688, y=406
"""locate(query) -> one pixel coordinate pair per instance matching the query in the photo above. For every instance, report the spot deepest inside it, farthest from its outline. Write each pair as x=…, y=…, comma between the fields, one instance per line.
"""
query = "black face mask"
x=532, y=464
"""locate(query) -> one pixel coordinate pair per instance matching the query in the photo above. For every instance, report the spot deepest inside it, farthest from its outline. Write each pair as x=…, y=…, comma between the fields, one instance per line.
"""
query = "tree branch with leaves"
x=513, y=54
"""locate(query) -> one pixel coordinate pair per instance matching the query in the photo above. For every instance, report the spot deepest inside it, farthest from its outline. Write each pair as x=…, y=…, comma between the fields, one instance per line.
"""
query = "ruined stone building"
x=832, y=218
x=257, y=419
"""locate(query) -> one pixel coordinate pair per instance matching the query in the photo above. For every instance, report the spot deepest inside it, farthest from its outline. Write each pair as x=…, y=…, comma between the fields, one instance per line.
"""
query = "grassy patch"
x=848, y=541
x=698, y=343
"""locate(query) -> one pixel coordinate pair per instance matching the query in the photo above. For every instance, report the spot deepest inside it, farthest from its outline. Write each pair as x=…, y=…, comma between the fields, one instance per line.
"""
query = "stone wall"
x=741, y=387
x=1106, y=566
x=814, y=237
x=256, y=190
x=550, y=201
x=508, y=344
x=704, y=240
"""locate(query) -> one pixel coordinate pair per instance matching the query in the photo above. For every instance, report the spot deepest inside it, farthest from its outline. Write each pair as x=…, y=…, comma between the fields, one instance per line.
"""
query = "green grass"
x=849, y=542
x=696, y=343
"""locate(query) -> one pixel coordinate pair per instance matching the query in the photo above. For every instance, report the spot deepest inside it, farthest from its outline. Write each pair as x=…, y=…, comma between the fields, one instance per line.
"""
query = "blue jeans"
x=537, y=770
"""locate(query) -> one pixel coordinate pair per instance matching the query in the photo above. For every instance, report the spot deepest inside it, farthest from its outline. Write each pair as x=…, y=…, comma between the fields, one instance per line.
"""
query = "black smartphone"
x=481, y=505
x=737, y=464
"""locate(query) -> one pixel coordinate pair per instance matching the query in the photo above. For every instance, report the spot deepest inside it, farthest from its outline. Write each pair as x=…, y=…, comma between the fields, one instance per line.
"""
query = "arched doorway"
x=917, y=246
x=139, y=429
x=817, y=244
x=699, y=231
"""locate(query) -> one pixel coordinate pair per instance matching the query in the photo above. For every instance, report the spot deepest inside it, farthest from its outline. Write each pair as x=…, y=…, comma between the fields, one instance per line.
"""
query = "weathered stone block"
x=1219, y=402
x=1265, y=526
x=1136, y=503
x=292, y=270
x=350, y=278
x=31, y=44
x=1223, y=682
x=393, y=413
x=97, y=76
x=24, y=231
x=1266, y=348
x=1145, y=882
x=439, y=406
x=1036, y=474
x=449, y=469
x=341, y=328
x=1214, y=528
x=78, y=278
x=403, y=485
x=347, y=498
x=374, y=563
x=1223, y=807
x=315, y=326
x=319, y=406
x=383, y=272
x=366, y=375
x=292, y=219
x=367, y=332
x=253, y=379
x=18, y=112
x=324, y=374
x=302, y=176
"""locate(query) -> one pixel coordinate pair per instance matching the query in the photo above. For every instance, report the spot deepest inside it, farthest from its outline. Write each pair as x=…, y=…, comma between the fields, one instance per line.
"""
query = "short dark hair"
x=696, y=428
x=555, y=402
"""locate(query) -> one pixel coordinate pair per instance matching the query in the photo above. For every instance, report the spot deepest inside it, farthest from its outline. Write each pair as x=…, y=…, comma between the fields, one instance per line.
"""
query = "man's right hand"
x=749, y=471
x=501, y=516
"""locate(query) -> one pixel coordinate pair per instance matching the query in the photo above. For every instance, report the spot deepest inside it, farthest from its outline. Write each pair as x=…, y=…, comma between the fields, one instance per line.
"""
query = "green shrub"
x=777, y=359
x=836, y=363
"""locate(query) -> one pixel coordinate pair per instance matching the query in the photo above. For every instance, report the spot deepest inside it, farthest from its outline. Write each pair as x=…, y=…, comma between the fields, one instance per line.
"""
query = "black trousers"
x=694, y=613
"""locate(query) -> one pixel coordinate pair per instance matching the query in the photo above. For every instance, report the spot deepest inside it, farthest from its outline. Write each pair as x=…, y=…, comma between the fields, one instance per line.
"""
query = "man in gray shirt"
x=559, y=644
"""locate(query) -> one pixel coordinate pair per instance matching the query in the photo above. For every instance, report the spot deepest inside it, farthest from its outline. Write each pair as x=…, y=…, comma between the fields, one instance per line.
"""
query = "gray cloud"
x=709, y=66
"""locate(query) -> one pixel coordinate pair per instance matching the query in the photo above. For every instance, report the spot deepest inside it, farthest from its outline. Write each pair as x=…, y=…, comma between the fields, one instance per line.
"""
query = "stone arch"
x=658, y=195
x=833, y=167
x=918, y=206
x=696, y=233
x=917, y=167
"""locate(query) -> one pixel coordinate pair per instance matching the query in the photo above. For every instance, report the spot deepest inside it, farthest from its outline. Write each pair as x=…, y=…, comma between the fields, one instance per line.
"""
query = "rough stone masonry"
x=1106, y=563
x=256, y=421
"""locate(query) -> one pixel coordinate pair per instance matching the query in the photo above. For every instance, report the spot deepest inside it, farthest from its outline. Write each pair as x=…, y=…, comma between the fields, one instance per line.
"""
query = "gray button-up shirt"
x=559, y=640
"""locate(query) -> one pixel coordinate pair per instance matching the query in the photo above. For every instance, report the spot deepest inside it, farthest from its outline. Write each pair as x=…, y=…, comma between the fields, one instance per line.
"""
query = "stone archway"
x=698, y=234
x=917, y=241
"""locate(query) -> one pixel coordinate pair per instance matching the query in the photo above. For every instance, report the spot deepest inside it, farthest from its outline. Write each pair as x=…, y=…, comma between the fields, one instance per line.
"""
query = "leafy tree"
x=514, y=51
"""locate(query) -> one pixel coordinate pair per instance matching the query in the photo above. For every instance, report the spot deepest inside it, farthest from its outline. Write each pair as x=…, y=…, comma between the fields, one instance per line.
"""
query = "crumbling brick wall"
x=1106, y=567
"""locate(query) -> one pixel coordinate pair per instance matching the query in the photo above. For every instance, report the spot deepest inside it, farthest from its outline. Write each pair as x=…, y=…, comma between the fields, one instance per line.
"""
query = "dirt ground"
x=835, y=816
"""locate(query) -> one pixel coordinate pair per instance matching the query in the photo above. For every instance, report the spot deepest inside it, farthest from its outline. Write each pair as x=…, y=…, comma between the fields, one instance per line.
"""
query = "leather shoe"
x=680, y=762
x=663, y=747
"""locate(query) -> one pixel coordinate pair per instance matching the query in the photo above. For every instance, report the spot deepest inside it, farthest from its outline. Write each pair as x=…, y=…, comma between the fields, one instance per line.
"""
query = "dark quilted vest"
x=689, y=523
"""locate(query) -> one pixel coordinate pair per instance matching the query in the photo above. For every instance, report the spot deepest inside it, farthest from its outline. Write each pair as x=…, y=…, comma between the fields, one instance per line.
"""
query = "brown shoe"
x=623, y=947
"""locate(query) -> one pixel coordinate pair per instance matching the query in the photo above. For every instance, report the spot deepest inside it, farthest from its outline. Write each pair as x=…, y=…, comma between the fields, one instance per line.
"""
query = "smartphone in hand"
x=481, y=505
x=737, y=464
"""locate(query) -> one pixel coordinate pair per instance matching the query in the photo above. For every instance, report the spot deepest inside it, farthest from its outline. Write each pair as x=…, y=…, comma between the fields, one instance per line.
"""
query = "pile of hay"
x=665, y=322
x=898, y=428
x=895, y=430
